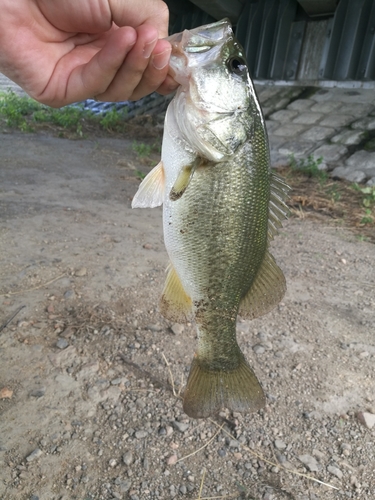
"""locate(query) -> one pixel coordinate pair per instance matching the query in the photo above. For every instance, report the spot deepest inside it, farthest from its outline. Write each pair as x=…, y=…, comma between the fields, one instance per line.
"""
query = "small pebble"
x=258, y=349
x=154, y=328
x=38, y=393
x=62, y=343
x=6, y=393
x=34, y=455
x=146, y=464
x=354, y=482
x=366, y=418
x=335, y=471
x=180, y=426
x=280, y=445
x=177, y=329
x=127, y=458
x=141, y=434
x=69, y=294
x=81, y=272
x=172, y=460
x=310, y=462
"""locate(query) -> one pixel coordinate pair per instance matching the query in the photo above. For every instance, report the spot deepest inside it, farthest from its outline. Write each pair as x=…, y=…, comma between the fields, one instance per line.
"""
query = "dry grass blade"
x=234, y=495
x=171, y=377
x=202, y=447
x=201, y=485
x=199, y=497
x=274, y=464
x=11, y=318
x=33, y=289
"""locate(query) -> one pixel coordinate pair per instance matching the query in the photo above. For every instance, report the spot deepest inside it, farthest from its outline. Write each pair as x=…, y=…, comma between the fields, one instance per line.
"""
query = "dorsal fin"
x=278, y=209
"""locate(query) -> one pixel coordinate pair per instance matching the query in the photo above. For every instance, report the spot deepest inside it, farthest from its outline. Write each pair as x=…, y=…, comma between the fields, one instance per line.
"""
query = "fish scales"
x=222, y=205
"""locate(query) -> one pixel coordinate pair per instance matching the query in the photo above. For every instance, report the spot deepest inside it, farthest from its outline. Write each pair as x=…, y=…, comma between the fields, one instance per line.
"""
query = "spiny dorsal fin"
x=175, y=304
x=278, y=209
x=266, y=291
x=150, y=192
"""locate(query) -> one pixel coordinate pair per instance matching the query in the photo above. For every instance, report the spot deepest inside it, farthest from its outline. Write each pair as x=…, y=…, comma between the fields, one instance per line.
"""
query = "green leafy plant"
x=367, y=218
x=15, y=108
x=368, y=202
x=333, y=191
x=369, y=195
x=21, y=112
x=68, y=117
x=113, y=121
x=140, y=175
x=310, y=166
x=141, y=149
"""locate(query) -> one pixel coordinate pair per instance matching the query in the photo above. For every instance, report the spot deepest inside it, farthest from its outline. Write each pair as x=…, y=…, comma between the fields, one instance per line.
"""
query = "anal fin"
x=266, y=291
x=175, y=304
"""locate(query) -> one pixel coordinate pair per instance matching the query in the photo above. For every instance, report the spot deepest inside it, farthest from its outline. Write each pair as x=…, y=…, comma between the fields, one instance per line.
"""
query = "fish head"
x=213, y=103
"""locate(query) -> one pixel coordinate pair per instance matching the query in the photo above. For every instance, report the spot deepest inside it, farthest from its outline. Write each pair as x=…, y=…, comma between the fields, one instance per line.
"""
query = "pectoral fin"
x=175, y=304
x=183, y=180
x=150, y=193
x=266, y=291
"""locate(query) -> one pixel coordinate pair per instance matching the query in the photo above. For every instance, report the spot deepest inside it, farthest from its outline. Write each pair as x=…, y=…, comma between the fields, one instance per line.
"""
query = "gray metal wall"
x=288, y=40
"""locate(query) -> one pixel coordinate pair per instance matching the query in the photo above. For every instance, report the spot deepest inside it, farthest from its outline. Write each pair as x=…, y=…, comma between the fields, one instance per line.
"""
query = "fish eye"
x=237, y=65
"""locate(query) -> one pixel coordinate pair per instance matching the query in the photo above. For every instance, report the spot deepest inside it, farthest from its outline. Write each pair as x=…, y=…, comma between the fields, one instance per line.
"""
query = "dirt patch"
x=90, y=409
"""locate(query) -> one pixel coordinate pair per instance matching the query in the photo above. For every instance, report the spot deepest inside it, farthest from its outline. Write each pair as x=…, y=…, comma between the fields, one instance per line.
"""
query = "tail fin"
x=208, y=391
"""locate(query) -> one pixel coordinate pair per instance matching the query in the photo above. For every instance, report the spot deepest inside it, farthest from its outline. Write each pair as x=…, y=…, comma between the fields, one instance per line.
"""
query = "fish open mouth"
x=197, y=41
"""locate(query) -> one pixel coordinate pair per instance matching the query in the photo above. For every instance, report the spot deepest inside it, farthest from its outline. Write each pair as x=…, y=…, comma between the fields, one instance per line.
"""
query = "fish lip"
x=207, y=31
x=196, y=41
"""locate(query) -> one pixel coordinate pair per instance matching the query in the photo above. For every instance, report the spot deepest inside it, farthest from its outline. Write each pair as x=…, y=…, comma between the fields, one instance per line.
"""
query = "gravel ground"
x=91, y=374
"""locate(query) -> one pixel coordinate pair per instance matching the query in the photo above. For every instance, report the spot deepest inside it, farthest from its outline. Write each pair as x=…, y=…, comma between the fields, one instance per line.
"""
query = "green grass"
x=368, y=202
x=140, y=175
x=310, y=166
x=68, y=118
x=25, y=114
x=368, y=193
x=15, y=109
x=143, y=150
x=113, y=121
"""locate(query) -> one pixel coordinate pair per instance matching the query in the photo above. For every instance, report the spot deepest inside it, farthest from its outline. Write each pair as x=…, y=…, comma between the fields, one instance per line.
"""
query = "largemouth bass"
x=222, y=205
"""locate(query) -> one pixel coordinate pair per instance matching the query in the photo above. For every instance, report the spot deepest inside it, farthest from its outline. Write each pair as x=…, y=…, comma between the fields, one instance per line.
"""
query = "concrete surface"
x=333, y=123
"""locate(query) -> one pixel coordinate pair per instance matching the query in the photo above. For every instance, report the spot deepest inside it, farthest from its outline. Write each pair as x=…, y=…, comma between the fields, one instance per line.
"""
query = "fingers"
x=136, y=13
x=124, y=64
x=144, y=69
x=94, y=77
x=169, y=85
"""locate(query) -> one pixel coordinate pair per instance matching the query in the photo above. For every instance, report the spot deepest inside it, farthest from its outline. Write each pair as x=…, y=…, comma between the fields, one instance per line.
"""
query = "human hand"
x=64, y=52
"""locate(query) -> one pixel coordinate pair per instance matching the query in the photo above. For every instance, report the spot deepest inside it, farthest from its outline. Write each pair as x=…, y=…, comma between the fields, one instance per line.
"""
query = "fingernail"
x=148, y=48
x=159, y=61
